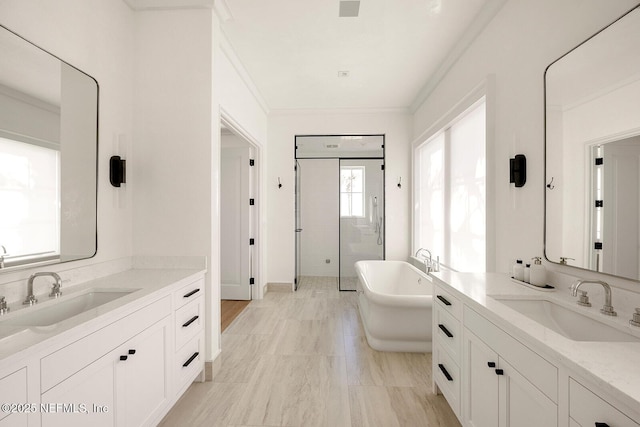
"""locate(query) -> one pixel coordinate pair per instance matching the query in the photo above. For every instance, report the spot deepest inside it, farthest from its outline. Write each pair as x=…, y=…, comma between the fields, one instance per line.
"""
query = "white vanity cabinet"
x=447, y=347
x=189, y=334
x=505, y=383
x=587, y=409
x=13, y=391
x=126, y=386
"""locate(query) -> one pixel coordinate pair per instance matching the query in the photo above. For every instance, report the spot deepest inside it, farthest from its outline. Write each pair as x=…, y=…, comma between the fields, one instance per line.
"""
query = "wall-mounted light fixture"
x=518, y=170
x=117, y=171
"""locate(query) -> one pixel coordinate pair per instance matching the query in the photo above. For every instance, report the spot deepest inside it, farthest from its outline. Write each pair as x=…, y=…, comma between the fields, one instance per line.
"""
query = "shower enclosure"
x=339, y=207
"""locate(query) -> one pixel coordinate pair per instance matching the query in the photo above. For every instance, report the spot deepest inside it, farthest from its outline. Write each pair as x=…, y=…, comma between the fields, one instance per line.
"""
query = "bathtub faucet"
x=429, y=265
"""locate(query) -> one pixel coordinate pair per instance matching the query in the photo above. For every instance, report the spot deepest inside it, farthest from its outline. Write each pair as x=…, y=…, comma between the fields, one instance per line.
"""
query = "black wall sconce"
x=518, y=170
x=117, y=171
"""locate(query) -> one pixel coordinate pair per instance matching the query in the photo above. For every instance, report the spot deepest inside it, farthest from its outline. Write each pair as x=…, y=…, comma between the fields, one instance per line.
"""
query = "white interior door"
x=621, y=208
x=235, y=223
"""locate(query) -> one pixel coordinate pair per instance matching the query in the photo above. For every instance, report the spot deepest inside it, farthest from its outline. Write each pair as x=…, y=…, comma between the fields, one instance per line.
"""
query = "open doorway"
x=238, y=222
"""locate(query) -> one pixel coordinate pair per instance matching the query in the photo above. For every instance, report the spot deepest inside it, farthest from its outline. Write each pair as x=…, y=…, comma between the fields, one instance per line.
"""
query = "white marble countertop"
x=612, y=366
x=17, y=342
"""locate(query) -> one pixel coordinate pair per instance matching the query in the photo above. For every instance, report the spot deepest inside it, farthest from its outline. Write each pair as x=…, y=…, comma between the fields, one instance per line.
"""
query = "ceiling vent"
x=349, y=9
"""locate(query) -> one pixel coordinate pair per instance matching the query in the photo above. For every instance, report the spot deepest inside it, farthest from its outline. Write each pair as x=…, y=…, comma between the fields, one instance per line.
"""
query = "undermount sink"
x=567, y=322
x=65, y=309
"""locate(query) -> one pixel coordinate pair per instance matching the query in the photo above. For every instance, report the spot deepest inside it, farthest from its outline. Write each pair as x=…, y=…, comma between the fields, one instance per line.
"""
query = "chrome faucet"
x=4, y=308
x=607, y=308
x=55, y=290
x=428, y=262
x=2, y=255
x=425, y=250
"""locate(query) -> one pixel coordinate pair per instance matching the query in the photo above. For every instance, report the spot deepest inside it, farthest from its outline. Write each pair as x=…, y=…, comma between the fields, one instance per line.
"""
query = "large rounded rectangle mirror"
x=48, y=157
x=592, y=115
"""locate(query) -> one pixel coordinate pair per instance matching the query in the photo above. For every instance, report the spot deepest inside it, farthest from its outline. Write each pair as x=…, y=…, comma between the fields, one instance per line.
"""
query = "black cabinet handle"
x=491, y=364
x=444, y=372
x=190, y=321
x=602, y=424
x=499, y=372
x=191, y=359
x=123, y=357
x=445, y=330
x=132, y=352
x=187, y=295
x=444, y=300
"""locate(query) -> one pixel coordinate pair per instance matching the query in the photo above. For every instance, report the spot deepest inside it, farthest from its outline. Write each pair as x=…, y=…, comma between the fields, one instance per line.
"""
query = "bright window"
x=29, y=199
x=352, y=192
x=450, y=192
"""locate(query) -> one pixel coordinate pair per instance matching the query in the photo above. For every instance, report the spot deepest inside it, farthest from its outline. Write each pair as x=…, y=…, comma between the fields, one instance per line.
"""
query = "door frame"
x=257, y=193
x=339, y=158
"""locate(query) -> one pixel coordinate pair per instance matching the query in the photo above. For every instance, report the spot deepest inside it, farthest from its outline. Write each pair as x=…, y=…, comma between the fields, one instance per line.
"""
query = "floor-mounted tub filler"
x=395, y=301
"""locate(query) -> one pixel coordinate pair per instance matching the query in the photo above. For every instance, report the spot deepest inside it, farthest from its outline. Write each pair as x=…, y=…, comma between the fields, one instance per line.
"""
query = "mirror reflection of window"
x=352, y=192
x=29, y=199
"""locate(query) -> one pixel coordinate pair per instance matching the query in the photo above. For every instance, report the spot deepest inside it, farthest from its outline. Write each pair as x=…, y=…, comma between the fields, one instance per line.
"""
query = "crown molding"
x=169, y=4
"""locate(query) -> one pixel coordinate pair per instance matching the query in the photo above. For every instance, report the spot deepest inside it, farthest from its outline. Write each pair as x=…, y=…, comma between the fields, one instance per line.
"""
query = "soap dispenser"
x=538, y=274
x=518, y=270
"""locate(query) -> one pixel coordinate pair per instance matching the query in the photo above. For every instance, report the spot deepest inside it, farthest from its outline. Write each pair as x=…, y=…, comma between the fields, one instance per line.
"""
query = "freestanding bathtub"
x=395, y=301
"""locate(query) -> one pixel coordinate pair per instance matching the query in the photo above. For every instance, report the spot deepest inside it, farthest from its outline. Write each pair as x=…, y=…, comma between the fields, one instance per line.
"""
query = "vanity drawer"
x=531, y=365
x=447, y=375
x=445, y=300
x=587, y=409
x=188, y=293
x=13, y=390
x=189, y=320
x=70, y=359
x=189, y=361
x=447, y=331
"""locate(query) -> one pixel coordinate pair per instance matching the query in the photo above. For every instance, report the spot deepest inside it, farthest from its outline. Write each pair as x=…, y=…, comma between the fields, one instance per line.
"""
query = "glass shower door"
x=298, y=229
x=361, y=216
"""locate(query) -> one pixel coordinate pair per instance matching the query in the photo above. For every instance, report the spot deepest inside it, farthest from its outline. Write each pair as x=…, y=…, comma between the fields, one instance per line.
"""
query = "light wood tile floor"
x=301, y=359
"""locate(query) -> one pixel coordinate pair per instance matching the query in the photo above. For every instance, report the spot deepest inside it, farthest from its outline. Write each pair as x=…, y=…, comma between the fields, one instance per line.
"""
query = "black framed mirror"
x=48, y=157
x=592, y=123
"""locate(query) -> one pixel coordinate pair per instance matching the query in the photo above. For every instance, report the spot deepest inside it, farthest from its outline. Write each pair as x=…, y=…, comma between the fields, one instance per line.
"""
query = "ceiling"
x=393, y=52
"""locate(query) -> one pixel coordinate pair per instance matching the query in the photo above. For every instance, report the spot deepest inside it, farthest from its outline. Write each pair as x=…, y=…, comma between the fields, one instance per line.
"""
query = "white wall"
x=97, y=37
x=184, y=82
x=516, y=47
x=172, y=164
x=283, y=126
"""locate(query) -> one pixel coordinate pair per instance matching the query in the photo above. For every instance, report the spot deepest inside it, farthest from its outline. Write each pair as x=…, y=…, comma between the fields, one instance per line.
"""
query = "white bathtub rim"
x=391, y=300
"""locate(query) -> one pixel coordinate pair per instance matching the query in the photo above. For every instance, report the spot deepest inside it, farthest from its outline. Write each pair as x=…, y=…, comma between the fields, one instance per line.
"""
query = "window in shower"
x=352, y=192
x=450, y=192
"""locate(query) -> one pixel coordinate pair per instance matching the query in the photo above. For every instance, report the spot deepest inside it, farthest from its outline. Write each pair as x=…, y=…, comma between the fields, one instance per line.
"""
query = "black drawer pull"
x=191, y=359
x=445, y=330
x=190, y=321
x=444, y=300
x=132, y=352
x=444, y=371
x=601, y=424
x=491, y=364
x=123, y=357
x=187, y=295
x=499, y=372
